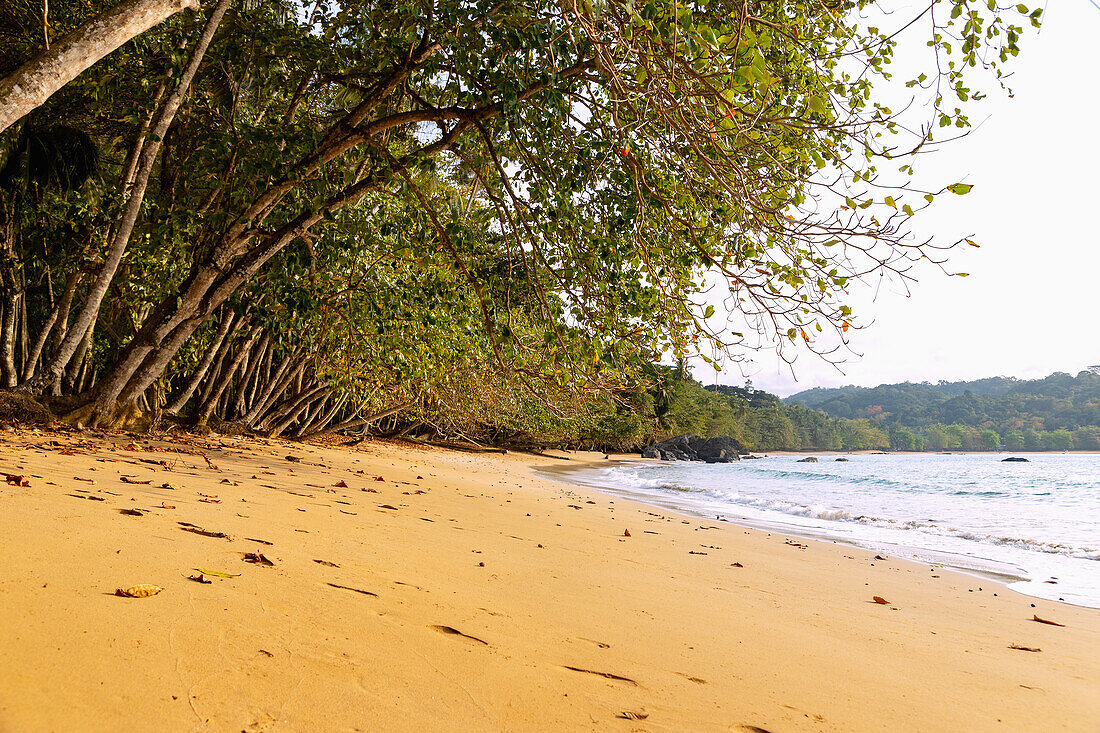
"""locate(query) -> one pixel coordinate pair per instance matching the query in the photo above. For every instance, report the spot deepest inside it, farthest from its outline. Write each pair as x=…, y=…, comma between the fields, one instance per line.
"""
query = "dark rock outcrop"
x=689, y=447
x=1015, y=459
x=811, y=459
x=841, y=460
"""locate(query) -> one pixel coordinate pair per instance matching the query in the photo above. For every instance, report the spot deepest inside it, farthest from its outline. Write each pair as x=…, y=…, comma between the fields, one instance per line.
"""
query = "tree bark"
x=34, y=82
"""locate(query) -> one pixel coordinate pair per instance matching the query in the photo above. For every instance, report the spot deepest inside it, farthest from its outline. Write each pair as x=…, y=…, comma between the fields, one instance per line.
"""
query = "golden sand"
x=430, y=590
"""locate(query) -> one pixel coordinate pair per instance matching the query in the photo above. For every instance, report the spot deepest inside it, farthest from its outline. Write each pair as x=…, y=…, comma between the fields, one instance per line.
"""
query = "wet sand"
x=426, y=589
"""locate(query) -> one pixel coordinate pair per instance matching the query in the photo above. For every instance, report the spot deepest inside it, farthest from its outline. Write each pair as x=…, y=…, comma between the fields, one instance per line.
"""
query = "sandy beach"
x=414, y=588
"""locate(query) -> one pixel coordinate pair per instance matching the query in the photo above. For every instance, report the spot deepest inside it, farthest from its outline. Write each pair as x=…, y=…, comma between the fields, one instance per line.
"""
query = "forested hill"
x=1017, y=410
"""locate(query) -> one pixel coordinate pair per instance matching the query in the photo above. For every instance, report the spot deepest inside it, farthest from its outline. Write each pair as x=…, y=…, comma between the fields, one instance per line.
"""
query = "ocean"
x=1034, y=525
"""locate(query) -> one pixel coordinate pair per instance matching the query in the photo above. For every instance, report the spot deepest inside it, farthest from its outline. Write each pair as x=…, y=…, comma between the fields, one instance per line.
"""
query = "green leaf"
x=960, y=188
x=217, y=573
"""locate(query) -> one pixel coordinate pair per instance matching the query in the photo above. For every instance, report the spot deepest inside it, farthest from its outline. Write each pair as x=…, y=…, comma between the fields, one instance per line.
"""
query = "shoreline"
x=441, y=589
x=1001, y=570
x=805, y=533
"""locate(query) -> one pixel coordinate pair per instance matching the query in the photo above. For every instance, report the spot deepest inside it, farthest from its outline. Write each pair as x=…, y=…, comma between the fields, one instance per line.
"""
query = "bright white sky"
x=1031, y=305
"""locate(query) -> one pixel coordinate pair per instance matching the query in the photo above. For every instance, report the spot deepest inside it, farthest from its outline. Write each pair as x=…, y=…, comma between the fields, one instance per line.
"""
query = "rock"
x=841, y=460
x=811, y=459
x=689, y=447
x=1015, y=459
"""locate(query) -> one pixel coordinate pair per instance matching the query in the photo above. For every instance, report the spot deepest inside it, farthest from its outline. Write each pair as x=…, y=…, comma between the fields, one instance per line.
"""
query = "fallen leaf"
x=257, y=558
x=631, y=715
x=880, y=599
x=1045, y=621
x=228, y=481
x=1024, y=648
x=128, y=480
x=167, y=485
x=200, y=578
x=326, y=563
x=89, y=480
x=139, y=591
x=626, y=533
x=217, y=573
x=132, y=512
x=167, y=506
x=17, y=480
x=736, y=565
x=379, y=478
x=211, y=501
x=294, y=459
x=387, y=506
x=341, y=484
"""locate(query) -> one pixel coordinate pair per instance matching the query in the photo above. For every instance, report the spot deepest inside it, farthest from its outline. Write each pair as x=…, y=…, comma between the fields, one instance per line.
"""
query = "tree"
x=30, y=85
x=620, y=156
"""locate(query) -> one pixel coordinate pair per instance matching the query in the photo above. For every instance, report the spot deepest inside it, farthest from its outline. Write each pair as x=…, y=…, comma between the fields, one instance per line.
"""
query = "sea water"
x=1035, y=525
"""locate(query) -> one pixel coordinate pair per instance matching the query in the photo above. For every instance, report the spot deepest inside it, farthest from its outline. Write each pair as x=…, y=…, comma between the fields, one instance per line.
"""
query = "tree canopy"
x=311, y=214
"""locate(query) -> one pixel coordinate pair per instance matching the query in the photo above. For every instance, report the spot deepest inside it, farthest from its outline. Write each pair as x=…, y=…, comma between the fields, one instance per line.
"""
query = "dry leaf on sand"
x=880, y=599
x=138, y=591
x=257, y=559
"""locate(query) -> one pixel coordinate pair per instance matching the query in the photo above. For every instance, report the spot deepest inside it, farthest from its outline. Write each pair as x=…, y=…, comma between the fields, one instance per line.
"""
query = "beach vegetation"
x=489, y=219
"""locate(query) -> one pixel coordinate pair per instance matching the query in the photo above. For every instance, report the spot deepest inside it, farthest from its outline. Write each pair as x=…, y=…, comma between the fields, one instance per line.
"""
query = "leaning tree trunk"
x=60, y=312
x=204, y=365
x=135, y=195
x=34, y=82
x=206, y=409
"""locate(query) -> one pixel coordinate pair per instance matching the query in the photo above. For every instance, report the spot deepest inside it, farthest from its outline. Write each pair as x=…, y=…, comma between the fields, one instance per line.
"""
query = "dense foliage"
x=459, y=216
x=1059, y=412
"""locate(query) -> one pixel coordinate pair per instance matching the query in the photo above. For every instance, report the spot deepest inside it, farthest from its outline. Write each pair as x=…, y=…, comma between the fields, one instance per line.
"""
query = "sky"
x=1031, y=303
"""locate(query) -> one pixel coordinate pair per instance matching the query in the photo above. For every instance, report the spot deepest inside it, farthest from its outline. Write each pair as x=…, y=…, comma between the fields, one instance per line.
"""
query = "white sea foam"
x=1040, y=518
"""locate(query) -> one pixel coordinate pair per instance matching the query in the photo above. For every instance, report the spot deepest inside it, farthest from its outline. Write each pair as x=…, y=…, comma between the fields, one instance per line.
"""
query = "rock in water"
x=690, y=447
x=811, y=459
x=1015, y=459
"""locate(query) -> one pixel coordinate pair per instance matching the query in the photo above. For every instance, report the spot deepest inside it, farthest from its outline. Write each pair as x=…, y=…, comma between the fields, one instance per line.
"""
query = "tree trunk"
x=274, y=389
x=306, y=431
x=355, y=422
x=8, y=376
x=134, y=196
x=290, y=406
x=250, y=374
x=34, y=82
x=298, y=408
x=59, y=312
x=207, y=407
x=74, y=378
x=180, y=400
